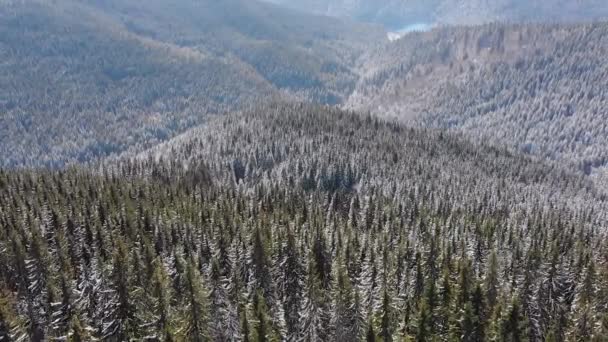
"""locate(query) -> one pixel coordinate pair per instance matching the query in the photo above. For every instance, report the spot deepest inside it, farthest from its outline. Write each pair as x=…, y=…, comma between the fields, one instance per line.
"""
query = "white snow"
x=415, y=27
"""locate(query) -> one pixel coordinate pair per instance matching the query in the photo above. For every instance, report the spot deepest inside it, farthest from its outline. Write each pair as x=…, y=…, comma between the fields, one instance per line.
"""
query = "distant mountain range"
x=82, y=79
x=396, y=14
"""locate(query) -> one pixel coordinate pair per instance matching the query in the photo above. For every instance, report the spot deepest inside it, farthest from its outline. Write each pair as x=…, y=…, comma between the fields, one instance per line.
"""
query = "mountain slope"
x=84, y=79
x=396, y=14
x=536, y=88
x=305, y=54
x=292, y=222
x=282, y=140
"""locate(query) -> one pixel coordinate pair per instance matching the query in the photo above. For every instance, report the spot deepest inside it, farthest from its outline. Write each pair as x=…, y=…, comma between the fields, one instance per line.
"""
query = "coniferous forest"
x=304, y=223
x=303, y=171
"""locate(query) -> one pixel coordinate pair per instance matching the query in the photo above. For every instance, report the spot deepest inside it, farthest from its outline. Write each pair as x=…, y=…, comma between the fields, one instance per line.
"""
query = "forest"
x=80, y=80
x=395, y=14
x=536, y=88
x=295, y=222
x=242, y=171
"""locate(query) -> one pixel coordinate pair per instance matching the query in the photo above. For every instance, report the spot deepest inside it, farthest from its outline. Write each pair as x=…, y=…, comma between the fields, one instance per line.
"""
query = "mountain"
x=321, y=143
x=535, y=88
x=83, y=79
x=204, y=170
x=300, y=222
x=399, y=14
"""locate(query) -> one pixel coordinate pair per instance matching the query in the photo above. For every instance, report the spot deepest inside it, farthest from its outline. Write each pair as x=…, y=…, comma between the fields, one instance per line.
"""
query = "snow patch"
x=415, y=27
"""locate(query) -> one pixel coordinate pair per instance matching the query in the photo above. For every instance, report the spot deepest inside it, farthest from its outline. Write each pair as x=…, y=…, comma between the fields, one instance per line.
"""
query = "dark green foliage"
x=453, y=241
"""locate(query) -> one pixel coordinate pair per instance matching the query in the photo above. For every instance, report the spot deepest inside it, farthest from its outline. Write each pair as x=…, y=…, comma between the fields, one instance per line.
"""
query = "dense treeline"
x=304, y=223
x=537, y=88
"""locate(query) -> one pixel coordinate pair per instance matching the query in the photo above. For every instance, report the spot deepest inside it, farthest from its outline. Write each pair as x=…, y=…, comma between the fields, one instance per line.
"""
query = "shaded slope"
x=334, y=150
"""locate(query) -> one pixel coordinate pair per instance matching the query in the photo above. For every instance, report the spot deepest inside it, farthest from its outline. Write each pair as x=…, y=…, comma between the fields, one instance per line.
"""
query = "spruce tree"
x=119, y=320
x=13, y=328
x=423, y=326
x=292, y=278
x=583, y=315
x=194, y=313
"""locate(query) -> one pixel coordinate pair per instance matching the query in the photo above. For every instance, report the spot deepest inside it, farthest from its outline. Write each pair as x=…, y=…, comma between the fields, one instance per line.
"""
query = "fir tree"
x=194, y=312
x=119, y=321
x=423, y=326
x=12, y=327
x=314, y=315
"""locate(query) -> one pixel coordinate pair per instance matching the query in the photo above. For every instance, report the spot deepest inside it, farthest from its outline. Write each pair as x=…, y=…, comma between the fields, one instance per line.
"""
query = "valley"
x=286, y=170
x=113, y=76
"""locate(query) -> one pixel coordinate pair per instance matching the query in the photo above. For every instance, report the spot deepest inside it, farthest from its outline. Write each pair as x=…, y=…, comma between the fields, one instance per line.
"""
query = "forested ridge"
x=536, y=88
x=396, y=14
x=304, y=223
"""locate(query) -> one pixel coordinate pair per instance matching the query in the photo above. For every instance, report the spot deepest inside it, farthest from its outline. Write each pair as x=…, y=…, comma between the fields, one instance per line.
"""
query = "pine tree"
x=370, y=336
x=514, y=325
x=369, y=285
x=479, y=314
x=194, y=318
x=314, y=316
x=423, y=326
x=430, y=296
x=554, y=294
x=63, y=310
x=468, y=323
x=291, y=278
x=260, y=266
x=155, y=312
x=359, y=323
x=447, y=297
x=40, y=287
x=12, y=327
x=245, y=330
x=491, y=281
x=225, y=322
x=322, y=259
x=583, y=314
x=345, y=314
x=4, y=317
x=551, y=335
x=387, y=329
x=263, y=330
x=600, y=333
x=119, y=321
x=78, y=332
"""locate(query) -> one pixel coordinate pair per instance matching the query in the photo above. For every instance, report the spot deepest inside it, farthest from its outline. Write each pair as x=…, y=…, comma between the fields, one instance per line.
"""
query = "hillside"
x=536, y=88
x=398, y=14
x=298, y=222
x=83, y=79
